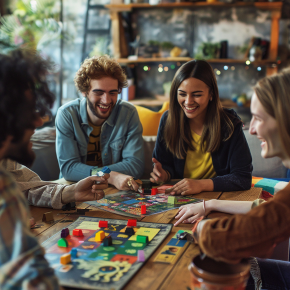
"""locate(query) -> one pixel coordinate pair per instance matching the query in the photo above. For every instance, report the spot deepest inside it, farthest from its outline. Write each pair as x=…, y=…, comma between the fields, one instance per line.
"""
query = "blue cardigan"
x=232, y=162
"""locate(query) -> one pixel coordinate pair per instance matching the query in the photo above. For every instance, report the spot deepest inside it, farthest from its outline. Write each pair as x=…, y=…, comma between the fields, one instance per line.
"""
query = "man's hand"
x=158, y=175
x=86, y=189
x=122, y=181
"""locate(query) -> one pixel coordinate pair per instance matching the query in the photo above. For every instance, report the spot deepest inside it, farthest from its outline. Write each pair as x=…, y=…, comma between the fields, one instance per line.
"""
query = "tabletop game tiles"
x=92, y=265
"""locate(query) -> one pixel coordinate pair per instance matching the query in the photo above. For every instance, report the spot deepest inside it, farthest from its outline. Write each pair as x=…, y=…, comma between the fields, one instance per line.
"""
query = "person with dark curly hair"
x=24, y=98
x=100, y=130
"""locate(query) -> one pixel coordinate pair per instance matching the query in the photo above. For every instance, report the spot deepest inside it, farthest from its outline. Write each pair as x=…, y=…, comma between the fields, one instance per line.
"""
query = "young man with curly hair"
x=100, y=130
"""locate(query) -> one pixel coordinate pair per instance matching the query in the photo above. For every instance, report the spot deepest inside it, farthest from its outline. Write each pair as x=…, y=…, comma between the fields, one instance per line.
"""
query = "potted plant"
x=32, y=25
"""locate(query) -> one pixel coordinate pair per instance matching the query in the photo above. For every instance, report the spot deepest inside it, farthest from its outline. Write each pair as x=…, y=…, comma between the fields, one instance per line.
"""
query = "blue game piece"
x=106, y=169
x=64, y=233
x=74, y=253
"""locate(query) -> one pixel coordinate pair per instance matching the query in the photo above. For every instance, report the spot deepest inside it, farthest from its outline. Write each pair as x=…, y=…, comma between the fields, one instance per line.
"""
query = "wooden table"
x=152, y=275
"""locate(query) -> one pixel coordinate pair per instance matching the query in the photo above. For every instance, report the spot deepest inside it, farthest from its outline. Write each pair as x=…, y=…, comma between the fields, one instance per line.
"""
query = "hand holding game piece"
x=123, y=182
x=159, y=175
x=188, y=186
x=85, y=189
x=189, y=213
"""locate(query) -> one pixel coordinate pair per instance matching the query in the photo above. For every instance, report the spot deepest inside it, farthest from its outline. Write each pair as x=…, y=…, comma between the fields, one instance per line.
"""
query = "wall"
x=185, y=28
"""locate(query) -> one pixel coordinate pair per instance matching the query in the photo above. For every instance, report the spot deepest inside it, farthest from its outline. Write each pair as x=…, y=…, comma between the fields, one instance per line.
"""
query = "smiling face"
x=265, y=127
x=102, y=97
x=193, y=96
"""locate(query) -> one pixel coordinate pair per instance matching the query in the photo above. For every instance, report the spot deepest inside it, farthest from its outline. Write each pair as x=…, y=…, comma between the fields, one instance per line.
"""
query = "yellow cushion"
x=150, y=120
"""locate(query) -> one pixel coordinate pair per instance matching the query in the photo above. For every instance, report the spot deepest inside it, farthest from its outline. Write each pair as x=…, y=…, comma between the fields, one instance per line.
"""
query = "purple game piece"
x=141, y=256
x=64, y=233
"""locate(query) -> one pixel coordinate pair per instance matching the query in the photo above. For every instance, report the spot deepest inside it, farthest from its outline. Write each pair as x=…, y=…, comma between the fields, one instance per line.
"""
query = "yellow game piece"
x=65, y=259
x=100, y=236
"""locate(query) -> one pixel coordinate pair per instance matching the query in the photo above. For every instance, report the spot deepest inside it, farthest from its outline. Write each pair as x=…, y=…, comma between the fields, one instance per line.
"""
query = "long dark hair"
x=177, y=133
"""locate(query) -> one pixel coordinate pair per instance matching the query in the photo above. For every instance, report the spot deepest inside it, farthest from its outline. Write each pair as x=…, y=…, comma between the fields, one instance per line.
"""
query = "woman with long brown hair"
x=199, y=141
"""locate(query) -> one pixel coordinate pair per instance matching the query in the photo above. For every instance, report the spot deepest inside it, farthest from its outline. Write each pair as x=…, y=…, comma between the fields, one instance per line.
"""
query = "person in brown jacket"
x=255, y=230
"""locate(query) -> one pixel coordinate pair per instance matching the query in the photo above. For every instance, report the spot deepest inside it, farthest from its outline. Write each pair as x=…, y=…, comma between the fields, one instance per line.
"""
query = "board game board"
x=97, y=266
x=129, y=203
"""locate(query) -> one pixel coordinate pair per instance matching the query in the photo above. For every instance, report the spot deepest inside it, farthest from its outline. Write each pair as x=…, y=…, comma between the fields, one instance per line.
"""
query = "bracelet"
x=204, y=207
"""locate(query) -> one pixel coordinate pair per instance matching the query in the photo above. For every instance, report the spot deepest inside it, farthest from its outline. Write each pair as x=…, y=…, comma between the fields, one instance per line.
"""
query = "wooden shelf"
x=185, y=59
x=271, y=6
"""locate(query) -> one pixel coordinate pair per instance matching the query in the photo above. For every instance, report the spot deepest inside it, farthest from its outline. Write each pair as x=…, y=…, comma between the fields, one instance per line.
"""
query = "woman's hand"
x=191, y=212
x=186, y=186
x=158, y=175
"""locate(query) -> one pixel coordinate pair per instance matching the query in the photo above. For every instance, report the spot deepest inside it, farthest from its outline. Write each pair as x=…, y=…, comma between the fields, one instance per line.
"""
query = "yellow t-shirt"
x=94, y=157
x=198, y=164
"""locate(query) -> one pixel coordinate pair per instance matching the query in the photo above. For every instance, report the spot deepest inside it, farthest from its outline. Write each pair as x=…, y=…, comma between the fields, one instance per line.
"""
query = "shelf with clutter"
x=150, y=57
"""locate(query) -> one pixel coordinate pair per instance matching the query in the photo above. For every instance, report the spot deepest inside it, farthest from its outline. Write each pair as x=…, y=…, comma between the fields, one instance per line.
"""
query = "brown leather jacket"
x=255, y=234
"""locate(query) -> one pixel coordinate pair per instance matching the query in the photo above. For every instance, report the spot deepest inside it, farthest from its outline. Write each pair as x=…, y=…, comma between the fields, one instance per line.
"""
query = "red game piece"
x=132, y=223
x=78, y=233
x=154, y=191
x=103, y=224
x=143, y=209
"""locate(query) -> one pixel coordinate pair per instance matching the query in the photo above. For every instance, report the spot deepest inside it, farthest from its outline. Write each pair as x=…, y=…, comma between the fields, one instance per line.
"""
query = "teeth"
x=104, y=107
x=190, y=109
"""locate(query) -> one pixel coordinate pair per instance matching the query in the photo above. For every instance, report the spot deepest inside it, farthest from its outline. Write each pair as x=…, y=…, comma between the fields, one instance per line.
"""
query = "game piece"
x=78, y=233
x=141, y=256
x=65, y=259
x=154, y=191
x=47, y=217
x=64, y=233
x=172, y=200
x=182, y=236
x=74, y=253
x=146, y=191
x=102, y=172
x=69, y=206
x=143, y=209
x=107, y=241
x=100, y=236
x=142, y=239
x=103, y=224
x=132, y=223
x=62, y=243
x=129, y=231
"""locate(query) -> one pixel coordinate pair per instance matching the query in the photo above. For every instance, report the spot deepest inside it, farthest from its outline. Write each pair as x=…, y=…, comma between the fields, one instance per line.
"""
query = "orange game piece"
x=78, y=233
x=65, y=259
x=100, y=236
x=143, y=209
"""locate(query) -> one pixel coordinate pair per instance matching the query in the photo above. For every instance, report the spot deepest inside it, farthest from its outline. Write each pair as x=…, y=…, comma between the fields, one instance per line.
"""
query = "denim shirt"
x=121, y=140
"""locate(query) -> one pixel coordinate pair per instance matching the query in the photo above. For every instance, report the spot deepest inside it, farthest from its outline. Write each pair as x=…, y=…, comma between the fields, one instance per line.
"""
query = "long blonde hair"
x=177, y=133
x=274, y=95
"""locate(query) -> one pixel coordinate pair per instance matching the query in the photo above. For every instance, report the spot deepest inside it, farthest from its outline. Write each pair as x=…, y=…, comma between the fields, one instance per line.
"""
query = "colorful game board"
x=129, y=203
x=97, y=266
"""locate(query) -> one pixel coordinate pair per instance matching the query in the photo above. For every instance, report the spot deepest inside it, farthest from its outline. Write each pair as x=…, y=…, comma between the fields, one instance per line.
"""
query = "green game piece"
x=62, y=243
x=172, y=200
x=142, y=239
